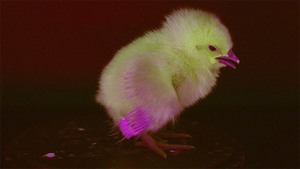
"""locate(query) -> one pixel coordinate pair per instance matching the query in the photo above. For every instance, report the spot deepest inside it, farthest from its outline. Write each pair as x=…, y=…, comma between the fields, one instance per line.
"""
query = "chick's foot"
x=173, y=135
x=158, y=147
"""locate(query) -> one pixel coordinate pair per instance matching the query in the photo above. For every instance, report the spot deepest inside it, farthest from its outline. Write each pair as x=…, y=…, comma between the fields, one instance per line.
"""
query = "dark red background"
x=52, y=54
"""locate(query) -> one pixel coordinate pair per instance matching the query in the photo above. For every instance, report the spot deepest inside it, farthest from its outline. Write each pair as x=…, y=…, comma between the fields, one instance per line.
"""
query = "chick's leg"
x=150, y=143
x=158, y=147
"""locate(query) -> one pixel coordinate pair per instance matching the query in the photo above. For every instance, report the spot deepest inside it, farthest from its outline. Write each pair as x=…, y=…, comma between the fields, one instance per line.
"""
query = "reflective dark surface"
x=52, y=54
x=85, y=142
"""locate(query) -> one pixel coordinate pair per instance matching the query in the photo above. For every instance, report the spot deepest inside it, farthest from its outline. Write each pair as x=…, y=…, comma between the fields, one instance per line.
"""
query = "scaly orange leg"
x=158, y=147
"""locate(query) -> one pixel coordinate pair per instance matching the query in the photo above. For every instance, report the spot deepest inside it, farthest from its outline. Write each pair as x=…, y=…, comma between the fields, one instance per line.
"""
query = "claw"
x=174, y=135
x=175, y=146
x=158, y=147
x=151, y=144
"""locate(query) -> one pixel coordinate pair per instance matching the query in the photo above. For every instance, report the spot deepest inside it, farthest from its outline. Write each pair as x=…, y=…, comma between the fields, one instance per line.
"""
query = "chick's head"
x=200, y=37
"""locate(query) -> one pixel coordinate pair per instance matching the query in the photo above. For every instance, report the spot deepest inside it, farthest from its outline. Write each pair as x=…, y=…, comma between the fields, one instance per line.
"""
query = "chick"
x=165, y=71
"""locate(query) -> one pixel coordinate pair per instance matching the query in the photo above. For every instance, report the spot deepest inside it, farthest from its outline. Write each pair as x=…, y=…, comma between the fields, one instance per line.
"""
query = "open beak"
x=229, y=60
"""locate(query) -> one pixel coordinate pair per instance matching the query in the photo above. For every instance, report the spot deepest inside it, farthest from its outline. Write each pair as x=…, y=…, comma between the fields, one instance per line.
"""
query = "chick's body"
x=165, y=70
x=139, y=78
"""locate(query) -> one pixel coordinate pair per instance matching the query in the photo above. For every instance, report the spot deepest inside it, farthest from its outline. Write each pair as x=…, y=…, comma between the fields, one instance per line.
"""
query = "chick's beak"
x=229, y=60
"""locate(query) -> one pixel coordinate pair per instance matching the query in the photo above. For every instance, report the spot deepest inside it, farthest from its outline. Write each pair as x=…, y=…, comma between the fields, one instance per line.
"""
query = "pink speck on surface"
x=81, y=129
x=49, y=155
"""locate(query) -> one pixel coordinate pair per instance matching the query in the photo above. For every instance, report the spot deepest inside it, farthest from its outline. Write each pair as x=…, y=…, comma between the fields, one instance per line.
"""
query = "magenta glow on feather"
x=134, y=123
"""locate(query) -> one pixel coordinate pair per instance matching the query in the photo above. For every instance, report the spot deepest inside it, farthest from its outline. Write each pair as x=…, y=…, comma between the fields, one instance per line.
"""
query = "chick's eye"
x=212, y=48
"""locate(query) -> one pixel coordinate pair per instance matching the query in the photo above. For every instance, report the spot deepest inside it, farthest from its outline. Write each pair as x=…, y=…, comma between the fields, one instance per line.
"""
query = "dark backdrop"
x=52, y=54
